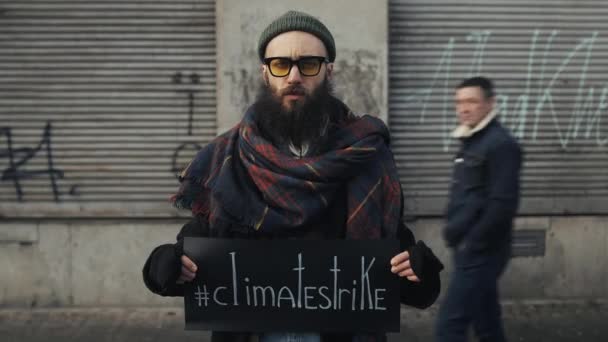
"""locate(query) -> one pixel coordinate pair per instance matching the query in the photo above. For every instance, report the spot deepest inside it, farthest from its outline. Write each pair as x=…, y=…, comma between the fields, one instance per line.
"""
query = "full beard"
x=303, y=122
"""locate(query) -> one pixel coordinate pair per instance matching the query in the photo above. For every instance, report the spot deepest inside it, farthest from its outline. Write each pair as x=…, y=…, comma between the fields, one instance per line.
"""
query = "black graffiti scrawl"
x=18, y=159
x=193, y=79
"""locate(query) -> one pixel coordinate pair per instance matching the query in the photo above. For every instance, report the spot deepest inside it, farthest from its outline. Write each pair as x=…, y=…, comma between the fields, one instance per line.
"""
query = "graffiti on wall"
x=539, y=101
x=358, y=81
x=18, y=159
x=190, y=146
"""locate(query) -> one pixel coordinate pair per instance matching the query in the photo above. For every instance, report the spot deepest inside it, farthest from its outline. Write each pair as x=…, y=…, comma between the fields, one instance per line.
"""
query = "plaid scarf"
x=241, y=175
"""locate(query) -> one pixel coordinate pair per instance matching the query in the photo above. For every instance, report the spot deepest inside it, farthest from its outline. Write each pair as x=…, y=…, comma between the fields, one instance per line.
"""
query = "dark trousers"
x=472, y=298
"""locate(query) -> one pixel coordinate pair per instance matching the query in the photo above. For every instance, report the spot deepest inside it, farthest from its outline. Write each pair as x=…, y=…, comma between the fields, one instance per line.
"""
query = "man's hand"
x=400, y=264
x=188, y=270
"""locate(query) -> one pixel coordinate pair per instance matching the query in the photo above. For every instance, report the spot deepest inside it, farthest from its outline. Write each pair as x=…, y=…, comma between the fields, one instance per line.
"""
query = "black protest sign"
x=292, y=285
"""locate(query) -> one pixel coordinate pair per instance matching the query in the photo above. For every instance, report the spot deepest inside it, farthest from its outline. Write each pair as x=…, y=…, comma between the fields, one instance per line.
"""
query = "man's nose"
x=294, y=75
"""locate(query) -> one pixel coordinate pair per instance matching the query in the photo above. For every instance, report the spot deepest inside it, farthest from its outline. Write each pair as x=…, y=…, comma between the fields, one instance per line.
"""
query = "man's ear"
x=330, y=70
x=265, y=74
x=493, y=102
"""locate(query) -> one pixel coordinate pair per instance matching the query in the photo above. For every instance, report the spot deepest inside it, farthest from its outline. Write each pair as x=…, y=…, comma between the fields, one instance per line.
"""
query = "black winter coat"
x=484, y=195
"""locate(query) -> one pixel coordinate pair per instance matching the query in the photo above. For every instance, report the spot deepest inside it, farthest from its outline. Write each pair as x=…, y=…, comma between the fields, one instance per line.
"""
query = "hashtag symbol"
x=201, y=296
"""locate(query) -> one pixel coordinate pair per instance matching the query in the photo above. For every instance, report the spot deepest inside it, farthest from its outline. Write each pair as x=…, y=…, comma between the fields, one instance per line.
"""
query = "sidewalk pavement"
x=524, y=321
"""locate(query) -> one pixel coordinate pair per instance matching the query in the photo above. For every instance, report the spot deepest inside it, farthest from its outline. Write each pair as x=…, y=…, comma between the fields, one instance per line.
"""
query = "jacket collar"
x=464, y=131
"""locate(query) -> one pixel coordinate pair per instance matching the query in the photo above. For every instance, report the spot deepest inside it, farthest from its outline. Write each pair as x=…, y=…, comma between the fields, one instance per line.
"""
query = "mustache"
x=293, y=90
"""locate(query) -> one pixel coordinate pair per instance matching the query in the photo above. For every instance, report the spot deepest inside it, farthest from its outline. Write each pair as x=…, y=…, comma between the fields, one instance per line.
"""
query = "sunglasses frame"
x=292, y=62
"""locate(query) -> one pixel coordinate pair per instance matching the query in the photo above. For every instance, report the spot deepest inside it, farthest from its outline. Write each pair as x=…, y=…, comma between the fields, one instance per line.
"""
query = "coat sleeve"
x=163, y=266
x=425, y=265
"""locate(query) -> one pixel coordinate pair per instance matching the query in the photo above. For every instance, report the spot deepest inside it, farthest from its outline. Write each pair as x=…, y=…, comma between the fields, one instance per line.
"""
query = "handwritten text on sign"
x=292, y=285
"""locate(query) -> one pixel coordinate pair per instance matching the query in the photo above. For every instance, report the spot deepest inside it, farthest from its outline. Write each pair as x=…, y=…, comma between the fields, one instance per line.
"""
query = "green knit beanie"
x=297, y=21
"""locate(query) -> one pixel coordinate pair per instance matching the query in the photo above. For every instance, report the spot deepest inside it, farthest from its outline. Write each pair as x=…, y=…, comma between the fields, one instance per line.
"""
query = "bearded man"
x=300, y=165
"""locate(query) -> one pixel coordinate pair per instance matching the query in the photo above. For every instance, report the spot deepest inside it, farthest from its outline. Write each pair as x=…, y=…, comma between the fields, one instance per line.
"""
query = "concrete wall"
x=360, y=29
x=574, y=265
x=87, y=263
x=79, y=263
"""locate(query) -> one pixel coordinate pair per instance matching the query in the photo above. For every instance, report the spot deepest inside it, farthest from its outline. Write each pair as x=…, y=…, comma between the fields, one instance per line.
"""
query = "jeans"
x=472, y=298
x=290, y=337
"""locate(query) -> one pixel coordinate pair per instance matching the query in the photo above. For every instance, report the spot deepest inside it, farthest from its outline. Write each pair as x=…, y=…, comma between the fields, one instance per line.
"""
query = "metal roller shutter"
x=548, y=60
x=101, y=103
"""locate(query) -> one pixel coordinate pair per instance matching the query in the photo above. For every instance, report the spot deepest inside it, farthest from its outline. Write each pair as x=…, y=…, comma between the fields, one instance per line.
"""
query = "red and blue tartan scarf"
x=241, y=175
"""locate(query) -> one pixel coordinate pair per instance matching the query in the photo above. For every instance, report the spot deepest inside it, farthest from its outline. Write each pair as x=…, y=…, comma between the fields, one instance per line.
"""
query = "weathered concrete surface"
x=574, y=264
x=530, y=321
x=98, y=262
x=35, y=264
x=80, y=263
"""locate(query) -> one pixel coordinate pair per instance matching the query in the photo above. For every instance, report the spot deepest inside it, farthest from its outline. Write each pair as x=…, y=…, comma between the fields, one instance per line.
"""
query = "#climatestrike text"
x=300, y=294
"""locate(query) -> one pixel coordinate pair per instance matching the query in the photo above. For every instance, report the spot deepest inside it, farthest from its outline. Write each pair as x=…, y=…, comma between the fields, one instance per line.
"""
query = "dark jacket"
x=484, y=193
x=162, y=268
